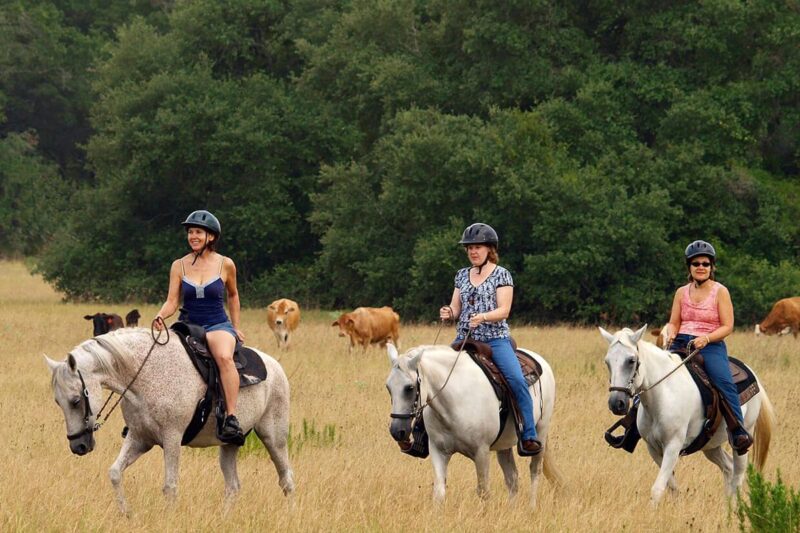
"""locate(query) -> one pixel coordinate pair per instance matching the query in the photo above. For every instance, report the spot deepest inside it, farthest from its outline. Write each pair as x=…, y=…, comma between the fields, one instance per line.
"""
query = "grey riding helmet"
x=203, y=219
x=700, y=248
x=479, y=233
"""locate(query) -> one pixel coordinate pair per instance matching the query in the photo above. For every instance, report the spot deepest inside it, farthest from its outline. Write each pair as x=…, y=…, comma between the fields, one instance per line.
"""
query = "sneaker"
x=231, y=432
x=530, y=447
x=741, y=442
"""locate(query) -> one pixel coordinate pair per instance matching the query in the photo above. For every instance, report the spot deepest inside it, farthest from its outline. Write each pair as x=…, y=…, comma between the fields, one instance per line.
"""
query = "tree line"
x=344, y=145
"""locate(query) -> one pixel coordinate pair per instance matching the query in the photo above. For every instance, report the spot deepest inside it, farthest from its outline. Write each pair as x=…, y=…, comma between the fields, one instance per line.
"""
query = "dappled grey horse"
x=461, y=414
x=160, y=403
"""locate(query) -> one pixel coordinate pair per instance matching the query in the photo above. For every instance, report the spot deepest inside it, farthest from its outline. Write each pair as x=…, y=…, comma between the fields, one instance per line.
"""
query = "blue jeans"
x=506, y=360
x=715, y=355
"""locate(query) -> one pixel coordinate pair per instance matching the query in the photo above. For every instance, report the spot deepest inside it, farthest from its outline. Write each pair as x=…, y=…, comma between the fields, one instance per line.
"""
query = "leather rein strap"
x=629, y=388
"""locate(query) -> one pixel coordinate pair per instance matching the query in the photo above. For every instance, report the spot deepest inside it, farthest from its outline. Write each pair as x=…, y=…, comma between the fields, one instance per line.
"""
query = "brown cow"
x=785, y=315
x=370, y=325
x=104, y=322
x=132, y=319
x=283, y=316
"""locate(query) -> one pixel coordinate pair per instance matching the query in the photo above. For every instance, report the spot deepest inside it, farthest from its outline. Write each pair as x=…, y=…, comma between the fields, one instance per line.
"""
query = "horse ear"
x=73, y=365
x=392, y=351
x=638, y=335
x=413, y=361
x=88, y=317
x=606, y=335
x=50, y=363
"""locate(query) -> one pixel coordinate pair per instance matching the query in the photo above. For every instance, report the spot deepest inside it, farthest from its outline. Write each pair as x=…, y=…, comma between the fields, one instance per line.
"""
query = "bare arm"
x=173, y=295
x=725, y=307
x=505, y=296
x=453, y=311
x=234, y=306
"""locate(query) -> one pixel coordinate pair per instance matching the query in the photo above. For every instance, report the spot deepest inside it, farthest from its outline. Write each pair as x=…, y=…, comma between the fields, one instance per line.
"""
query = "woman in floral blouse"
x=482, y=301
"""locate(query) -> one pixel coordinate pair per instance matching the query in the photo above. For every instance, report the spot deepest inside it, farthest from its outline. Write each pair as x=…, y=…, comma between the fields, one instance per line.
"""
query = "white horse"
x=461, y=415
x=160, y=403
x=671, y=414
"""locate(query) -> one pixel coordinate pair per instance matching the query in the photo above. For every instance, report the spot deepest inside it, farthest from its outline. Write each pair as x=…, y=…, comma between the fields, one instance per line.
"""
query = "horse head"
x=622, y=361
x=403, y=386
x=73, y=391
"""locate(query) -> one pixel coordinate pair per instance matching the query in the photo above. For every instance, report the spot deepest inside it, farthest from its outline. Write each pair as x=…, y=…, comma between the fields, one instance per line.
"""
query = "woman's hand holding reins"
x=476, y=320
x=446, y=312
x=158, y=323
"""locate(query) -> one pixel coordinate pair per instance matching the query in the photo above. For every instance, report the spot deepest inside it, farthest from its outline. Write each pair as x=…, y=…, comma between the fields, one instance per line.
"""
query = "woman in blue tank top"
x=203, y=278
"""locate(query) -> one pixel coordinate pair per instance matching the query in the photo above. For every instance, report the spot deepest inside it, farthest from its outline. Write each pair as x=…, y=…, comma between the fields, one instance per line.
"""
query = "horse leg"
x=506, y=460
x=537, y=463
x=440, y=461
x=172, y=458
x=131, y=450
x=274, y=434
x=666, y=474
x=481, y=460
x=720, y=457
x=739, y=470
x=227, y=462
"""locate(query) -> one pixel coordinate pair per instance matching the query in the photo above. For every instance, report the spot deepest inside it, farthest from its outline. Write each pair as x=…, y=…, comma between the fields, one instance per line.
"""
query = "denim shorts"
x=222, y=326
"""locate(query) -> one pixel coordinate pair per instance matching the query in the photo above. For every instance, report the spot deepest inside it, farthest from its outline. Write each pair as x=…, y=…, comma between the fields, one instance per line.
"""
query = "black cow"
x=132, y=319
x=103, y=322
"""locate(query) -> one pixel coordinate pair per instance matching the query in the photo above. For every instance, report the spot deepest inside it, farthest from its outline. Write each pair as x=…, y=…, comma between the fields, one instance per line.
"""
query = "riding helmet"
x=479, y=233
x=203, y=219
x=700, y=248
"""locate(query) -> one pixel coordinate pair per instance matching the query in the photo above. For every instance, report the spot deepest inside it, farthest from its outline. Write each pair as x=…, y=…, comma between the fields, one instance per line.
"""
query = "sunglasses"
x=703, y=264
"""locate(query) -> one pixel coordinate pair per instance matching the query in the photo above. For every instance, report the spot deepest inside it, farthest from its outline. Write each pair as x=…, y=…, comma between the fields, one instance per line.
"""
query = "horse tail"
x=765, y=424
x=551, y=471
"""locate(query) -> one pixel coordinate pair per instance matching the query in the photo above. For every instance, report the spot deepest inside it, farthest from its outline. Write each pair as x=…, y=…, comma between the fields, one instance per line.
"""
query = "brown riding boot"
x=530, y=447
x=739, y=438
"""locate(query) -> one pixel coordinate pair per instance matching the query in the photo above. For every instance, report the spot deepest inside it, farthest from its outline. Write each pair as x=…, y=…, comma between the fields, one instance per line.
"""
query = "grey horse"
x=160, y=403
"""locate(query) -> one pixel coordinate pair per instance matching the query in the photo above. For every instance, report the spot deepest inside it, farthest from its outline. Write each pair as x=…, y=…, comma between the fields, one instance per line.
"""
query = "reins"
x=88, y=409
x=447, y=379
x=629, y=389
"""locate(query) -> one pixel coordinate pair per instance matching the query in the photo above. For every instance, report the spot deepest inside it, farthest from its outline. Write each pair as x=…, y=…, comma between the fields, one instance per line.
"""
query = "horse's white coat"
x=463, y=416
x=161, y=401
x=671, y=414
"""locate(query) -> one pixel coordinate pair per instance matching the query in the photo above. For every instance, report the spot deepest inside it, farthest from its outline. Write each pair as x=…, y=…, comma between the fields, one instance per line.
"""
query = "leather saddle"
x=715, y=407
x=481, y=353
x=249, y=364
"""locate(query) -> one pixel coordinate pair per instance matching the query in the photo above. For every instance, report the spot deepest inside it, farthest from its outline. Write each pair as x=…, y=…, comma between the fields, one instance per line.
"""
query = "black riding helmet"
x=700, y=248
x=207, y=221
x=479, y=233
x=203, y=219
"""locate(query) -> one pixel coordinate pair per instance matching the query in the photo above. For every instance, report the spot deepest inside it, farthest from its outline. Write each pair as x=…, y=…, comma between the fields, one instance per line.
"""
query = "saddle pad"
x=743, y=378
x=481, y=353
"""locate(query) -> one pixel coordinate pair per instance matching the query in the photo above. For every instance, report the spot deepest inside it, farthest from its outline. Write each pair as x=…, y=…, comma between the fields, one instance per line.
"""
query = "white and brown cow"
x=283, y=316
x=784, y=318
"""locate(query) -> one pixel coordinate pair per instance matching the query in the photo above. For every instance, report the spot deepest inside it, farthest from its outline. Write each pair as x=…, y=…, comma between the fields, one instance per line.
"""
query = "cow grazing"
x=782, y=319
x=283, y=316
x=103, y=322
x=132, y=319
x=370, y=325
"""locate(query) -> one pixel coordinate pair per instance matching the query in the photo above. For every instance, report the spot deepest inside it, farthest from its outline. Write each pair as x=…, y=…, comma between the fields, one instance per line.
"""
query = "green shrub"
x=772, y=507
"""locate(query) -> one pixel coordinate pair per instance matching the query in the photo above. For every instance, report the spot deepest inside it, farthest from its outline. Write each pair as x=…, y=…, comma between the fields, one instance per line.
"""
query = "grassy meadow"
x=349, y=473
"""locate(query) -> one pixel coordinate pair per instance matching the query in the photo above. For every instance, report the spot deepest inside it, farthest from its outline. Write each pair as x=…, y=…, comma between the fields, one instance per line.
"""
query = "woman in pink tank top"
x=701, y=318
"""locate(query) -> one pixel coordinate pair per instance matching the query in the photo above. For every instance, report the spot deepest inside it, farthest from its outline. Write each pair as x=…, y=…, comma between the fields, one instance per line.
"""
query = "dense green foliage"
x=768, y=507
x=345, y=144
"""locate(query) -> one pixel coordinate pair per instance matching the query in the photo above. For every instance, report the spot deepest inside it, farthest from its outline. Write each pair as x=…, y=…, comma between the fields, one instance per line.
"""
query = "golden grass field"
x=356, y=480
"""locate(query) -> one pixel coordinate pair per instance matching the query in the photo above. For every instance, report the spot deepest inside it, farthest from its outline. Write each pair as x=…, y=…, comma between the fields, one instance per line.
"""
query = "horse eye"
x=75, y=401
x=408, y=389
x=631, y=361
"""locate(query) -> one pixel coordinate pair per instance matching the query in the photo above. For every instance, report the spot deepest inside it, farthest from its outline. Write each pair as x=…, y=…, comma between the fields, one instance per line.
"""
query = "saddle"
x=249, y=364
x=481, y=353
x=716, y=408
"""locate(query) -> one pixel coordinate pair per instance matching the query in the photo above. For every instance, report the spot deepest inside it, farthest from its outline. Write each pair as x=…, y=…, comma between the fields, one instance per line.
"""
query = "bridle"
x=88, y=427
x=633, y=393
x=415, y=411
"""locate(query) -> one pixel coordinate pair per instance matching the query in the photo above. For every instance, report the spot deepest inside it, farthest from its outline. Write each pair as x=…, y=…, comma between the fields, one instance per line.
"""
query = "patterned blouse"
x=482, y=299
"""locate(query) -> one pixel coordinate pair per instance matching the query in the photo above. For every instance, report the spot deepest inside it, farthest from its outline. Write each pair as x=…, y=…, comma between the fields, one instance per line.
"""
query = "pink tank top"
x=699, y=318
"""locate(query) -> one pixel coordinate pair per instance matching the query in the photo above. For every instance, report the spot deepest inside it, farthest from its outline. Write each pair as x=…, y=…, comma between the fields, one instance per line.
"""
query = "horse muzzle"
x=618, y=402
x=400, y=429
x=82, y=445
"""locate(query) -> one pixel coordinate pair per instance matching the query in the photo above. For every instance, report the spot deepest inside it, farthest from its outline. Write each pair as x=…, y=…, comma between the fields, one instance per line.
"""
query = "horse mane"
x=108, y=350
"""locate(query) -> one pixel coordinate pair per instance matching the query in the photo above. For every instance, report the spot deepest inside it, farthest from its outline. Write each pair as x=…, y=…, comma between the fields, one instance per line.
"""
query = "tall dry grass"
x=360, y=481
